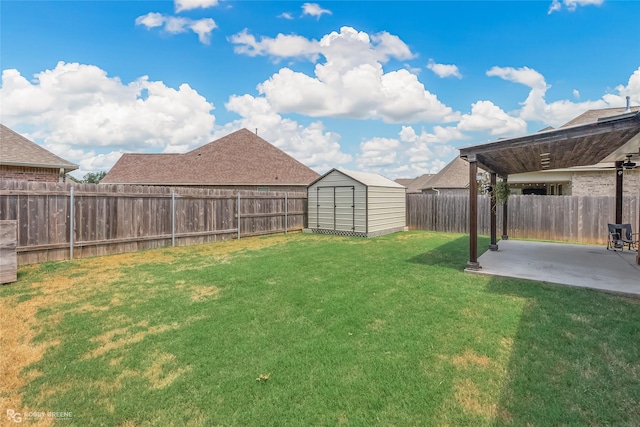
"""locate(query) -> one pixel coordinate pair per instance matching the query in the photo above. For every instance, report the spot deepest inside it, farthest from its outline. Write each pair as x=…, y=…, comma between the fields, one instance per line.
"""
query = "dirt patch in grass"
x=118, y=338
x=205, y=293
x=471, y=359
x=164, y=370
x=18, y=349
x=470, y=399
x=471, y=313
x=377, y=324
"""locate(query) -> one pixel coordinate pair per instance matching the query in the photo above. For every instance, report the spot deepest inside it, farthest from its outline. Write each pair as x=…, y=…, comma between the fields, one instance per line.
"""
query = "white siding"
x=387, y=208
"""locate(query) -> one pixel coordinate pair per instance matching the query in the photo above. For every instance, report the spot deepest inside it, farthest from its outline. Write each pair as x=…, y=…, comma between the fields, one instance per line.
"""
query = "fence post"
x=173, y=218
x=238, y=209
x=286, y=211
x=71, y=222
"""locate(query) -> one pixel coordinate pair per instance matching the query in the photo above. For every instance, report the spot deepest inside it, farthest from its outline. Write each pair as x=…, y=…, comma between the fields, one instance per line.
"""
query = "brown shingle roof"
x=16, y=150
x=454, y=175
x=592, y=116
x=240, y=158
x=415, y=185
x=404, y=181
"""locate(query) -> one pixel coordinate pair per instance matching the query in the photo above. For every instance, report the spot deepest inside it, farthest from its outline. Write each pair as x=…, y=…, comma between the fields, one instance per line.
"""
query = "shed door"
x=344, y=208
x=335, y=208
x=325, y=208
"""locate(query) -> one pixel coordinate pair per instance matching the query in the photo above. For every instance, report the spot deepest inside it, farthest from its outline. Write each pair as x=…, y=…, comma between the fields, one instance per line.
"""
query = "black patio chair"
x=621, y=235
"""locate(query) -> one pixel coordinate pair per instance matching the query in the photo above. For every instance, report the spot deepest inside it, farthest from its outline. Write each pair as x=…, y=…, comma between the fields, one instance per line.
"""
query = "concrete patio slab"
x=584, y=266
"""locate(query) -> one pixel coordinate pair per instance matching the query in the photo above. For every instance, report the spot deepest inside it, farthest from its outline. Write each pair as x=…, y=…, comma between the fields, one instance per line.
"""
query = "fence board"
x=562, y=218
x=112, y=219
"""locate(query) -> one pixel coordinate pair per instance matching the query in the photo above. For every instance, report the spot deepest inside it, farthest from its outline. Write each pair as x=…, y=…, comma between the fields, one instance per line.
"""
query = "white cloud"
x=78, y=110
x=350, y=82
x=92, y=162
x=203, y=28
x=176, y=25
x=411, y=155
x=487, y=117
x=571, y=5
x=346, y=48
x=150, y=20
x=576, y=94
x=536, y=108
x=378, y=152
x=286, y=15
x=311, y=144
x=440, y=135
x=525, y=75
x=283, y=46
x=555, y=7
x=444, y=70
x=632, y=89
x=313, y=9
x=182, y=5
x=428, y=152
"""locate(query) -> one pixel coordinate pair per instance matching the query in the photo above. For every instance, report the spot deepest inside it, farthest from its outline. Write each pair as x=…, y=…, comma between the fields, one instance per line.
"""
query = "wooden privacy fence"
x=59, y=221
x=562, y=218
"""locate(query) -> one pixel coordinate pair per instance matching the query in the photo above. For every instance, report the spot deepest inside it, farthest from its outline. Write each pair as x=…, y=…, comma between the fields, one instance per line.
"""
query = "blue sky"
x=390, y=87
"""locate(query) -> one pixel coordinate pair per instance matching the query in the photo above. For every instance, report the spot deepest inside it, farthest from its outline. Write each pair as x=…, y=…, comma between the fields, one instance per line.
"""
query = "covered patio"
x=585, y=266
x=613, y=139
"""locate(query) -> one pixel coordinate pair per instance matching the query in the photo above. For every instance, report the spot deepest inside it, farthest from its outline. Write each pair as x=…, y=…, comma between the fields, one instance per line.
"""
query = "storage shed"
x=358, y=204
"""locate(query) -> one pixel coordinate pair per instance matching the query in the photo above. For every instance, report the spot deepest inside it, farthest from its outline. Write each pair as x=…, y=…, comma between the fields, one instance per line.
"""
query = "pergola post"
x=473, y=214
x=619, y=178
x=493, y=246
x=505, y=213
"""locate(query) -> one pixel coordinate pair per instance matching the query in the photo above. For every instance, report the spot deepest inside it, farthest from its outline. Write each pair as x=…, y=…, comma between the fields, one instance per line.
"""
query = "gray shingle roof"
x=454, y=175
x=592, y=116
x=240, y=158
x=415, y=185
x=16, y=150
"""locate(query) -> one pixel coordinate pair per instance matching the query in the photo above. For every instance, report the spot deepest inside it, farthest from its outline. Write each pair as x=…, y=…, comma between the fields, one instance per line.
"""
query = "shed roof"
x=610, y=138
x=16, y=150
x=366, y=178
x=240, y=158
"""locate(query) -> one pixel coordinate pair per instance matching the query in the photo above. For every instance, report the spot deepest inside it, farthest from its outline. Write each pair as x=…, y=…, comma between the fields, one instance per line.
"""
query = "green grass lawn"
x=305, y=330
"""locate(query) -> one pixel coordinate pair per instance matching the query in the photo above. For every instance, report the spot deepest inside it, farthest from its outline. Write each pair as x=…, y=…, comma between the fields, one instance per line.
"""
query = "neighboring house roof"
x=405, y=181
x=366, y=178
x=419, y=183
x=453, y=175
x=240, y=158
x=16, y=150
x=592, y=116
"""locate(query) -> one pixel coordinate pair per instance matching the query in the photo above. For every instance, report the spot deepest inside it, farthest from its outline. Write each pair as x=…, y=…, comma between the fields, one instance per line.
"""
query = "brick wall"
x=603, y=183
x=24, y=173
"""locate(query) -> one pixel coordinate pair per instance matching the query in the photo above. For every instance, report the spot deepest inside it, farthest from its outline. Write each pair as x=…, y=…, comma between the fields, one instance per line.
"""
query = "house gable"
x=24, y=160
x=16, y=150
x=241, y=158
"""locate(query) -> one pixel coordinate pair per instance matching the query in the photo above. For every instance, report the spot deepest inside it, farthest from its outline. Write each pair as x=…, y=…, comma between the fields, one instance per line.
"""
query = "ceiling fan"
x=628, y=164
